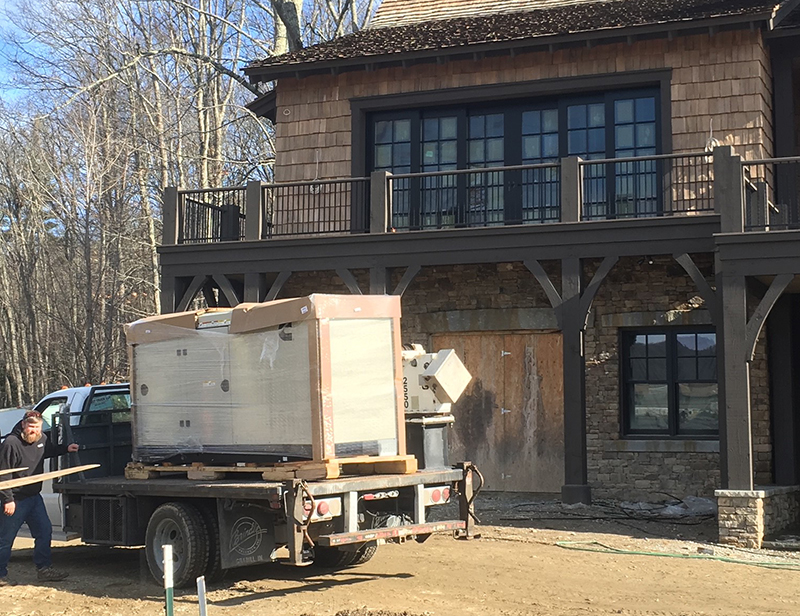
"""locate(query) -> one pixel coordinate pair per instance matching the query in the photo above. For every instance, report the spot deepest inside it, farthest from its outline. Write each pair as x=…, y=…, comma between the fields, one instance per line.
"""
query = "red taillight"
x=307, y=507
x=446, y=494
x=436, y=496
x=323, y=508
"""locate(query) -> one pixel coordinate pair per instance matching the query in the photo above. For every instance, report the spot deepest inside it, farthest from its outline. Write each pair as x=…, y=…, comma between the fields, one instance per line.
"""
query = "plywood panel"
x=533, y=444
x=511, y=419
x=478, y=431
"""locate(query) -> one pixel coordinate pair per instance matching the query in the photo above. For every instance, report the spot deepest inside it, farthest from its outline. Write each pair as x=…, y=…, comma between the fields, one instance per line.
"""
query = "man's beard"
x=30, y=438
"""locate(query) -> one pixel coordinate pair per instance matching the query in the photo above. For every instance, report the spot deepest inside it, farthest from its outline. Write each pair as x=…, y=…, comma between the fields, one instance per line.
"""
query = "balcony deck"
x=669, y=204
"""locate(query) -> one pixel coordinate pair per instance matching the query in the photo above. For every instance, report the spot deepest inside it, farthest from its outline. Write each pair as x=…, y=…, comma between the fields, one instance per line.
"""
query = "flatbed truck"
x=242, y=519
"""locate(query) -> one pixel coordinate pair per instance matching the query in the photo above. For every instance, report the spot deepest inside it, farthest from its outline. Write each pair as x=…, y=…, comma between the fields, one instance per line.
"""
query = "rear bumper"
x=362, y=536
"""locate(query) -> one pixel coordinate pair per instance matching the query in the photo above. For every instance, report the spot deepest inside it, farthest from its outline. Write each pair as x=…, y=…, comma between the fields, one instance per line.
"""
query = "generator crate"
x=312, y=378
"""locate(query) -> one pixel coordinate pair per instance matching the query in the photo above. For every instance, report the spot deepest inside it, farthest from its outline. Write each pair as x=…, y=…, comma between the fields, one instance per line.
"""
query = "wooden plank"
x=328, y=444
x=301, y=470
x=138, y=471
x=26, y=481
x=478, y=429
x=201, y=474
x=8, y=471
x=381, y=467
x=533, y=428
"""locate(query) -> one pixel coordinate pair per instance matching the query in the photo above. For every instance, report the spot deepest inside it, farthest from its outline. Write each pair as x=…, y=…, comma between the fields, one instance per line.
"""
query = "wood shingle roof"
x=539, y=22
x=392, y=13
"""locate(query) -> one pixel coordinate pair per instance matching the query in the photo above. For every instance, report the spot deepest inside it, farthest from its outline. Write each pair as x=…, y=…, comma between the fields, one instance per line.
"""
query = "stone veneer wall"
x=635, y=294
x=724, y=78
x=746, y=517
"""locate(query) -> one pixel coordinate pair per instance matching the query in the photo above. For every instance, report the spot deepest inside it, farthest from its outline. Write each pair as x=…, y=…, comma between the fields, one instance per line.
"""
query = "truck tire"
x=333, y=558
x=214, y=571
x=365, y=553
x=181, y=525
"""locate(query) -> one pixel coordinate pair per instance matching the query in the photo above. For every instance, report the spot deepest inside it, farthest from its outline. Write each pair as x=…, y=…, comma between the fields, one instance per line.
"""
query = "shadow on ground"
x=122, y=573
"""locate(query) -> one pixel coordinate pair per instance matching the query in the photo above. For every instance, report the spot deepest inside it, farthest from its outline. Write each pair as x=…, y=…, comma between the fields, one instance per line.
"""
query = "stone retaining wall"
x=745, y=517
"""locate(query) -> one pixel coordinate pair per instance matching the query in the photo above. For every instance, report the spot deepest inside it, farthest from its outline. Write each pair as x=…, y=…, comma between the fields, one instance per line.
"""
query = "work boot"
x=48, y=574
x=4, y=581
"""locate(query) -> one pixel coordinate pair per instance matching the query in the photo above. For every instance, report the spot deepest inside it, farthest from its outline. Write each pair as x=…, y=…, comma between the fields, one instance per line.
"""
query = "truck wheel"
x=214, y=571
x=180, y=525
x=365, y=553
x=333, y=558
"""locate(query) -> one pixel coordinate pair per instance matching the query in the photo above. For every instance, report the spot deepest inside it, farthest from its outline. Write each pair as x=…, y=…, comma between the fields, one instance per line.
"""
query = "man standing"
x=27, y=447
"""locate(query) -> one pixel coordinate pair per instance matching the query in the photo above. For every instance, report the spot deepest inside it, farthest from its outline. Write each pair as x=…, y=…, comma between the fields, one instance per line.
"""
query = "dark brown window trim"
x=625, y=402
x=360, y=107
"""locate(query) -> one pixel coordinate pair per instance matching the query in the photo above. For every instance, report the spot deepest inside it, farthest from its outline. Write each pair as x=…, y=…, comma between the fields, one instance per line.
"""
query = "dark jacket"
x=16, y=453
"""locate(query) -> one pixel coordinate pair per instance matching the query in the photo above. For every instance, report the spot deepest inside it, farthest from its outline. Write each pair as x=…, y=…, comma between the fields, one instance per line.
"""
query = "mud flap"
x=247, y=534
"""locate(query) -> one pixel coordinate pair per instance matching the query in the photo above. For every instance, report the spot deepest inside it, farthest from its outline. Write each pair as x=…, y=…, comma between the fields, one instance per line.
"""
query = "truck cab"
x=92, y=416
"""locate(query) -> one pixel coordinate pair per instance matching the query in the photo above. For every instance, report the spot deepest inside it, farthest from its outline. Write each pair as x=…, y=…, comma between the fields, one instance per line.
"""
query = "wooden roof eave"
x=608, y=35
x=783, y=12
x=264, y=106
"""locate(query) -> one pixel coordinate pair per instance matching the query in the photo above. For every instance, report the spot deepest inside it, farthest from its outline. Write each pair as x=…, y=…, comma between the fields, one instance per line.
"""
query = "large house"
x=596, y=203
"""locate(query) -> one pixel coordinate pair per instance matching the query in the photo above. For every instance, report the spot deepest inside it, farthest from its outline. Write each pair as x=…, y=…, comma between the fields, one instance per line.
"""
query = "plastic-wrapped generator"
x=316, y=378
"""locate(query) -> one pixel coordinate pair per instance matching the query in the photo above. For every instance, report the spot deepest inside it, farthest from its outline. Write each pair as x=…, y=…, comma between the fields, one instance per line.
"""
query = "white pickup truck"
x=111, y=403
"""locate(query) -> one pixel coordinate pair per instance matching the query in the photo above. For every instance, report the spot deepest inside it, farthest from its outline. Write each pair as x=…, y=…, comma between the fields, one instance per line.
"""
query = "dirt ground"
x=516, y=568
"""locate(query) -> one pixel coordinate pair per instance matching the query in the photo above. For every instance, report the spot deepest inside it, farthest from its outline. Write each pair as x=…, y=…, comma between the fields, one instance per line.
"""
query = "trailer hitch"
x=466, y=500
x=299, y=518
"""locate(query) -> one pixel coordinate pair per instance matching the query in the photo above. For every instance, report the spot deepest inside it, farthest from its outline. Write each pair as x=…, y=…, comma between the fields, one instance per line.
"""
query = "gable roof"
x=550, y=22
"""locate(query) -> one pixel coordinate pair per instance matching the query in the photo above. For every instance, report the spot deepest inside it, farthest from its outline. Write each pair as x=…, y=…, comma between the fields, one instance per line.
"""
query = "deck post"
x=254, y=213
x=380, y=206
x=728, y=189
x=570, y=189
x=170, y=218
x=576, y=486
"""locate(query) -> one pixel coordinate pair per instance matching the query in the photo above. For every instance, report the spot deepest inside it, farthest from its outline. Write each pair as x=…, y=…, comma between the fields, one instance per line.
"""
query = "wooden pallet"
x=336, y=467
x=195, y=471
x=308, y=469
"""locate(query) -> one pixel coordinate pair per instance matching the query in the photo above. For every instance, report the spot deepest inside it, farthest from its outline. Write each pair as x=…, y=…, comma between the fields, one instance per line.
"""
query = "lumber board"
x=26, y=481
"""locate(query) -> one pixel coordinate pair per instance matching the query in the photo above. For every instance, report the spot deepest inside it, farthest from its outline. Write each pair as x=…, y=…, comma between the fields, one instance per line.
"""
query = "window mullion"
x=672, y=389
x=462, y=133
x=415, y=202
x=611, y=210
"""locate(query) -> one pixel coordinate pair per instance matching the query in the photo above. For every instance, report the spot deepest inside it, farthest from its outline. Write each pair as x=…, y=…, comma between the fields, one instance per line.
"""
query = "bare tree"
x=113, y=102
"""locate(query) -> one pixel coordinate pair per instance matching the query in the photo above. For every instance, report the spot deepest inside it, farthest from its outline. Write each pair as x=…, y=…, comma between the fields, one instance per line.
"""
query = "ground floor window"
x=669, y=382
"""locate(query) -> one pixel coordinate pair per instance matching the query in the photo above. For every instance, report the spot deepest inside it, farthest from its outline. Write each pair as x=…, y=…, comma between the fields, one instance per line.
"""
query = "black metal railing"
x=484, y=197
x=642, y=187
x=211, y=215
x=771, y=194
x=321, y=207
x=648, y=186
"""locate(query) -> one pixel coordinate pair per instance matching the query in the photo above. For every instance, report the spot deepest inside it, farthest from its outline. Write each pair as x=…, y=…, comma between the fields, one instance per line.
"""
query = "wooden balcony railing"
x=570, y=190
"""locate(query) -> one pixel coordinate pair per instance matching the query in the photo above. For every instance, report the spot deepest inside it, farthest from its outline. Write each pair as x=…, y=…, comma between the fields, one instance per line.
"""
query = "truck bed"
x=254, y=489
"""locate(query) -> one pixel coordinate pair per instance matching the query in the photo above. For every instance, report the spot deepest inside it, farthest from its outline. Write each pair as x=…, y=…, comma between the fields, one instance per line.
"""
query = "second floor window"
x=485, y=137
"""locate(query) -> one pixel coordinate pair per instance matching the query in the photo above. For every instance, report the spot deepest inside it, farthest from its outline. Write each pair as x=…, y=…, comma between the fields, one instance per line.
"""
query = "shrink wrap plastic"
x=201, y=394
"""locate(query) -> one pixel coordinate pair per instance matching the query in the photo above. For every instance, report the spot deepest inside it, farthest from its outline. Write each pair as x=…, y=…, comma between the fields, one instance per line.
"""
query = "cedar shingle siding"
x=725, y=78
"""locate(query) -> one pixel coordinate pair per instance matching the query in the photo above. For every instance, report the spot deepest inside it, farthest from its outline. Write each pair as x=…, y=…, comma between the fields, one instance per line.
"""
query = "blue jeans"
x=32, y=511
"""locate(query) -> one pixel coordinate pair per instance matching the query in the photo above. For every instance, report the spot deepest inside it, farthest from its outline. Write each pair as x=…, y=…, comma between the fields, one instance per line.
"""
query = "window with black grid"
x=669, y=382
